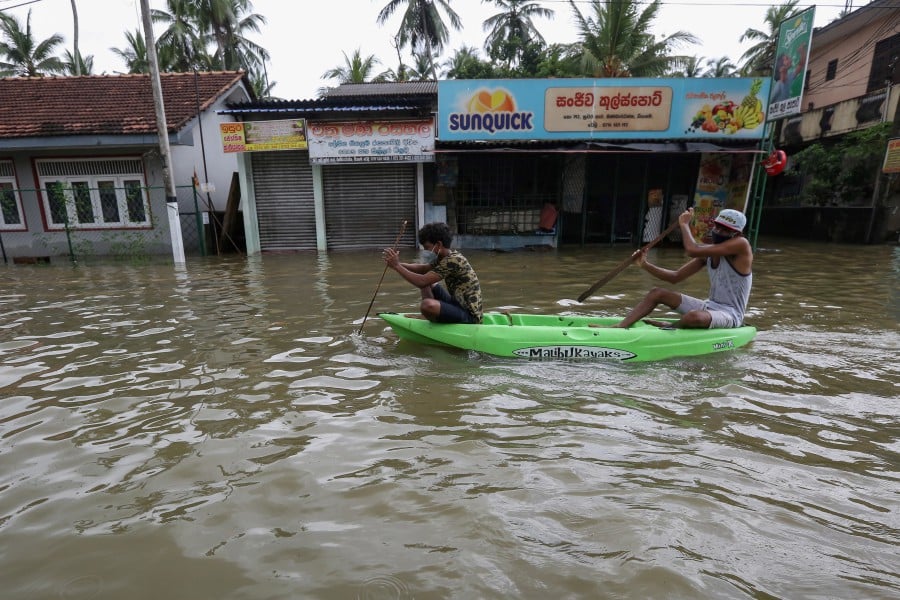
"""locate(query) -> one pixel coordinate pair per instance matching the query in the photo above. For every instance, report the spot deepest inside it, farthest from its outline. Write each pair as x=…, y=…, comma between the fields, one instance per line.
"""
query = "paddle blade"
x=606, y=279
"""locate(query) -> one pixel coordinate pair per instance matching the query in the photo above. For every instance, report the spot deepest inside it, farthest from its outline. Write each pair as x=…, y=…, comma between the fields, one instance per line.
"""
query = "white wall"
x=187, y=159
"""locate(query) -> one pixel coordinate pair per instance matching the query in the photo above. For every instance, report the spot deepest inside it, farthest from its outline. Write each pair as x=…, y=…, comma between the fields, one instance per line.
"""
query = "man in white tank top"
x=729, y=261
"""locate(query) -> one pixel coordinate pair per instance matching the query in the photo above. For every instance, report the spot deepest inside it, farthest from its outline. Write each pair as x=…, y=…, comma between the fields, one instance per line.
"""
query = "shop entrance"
x=620, y=188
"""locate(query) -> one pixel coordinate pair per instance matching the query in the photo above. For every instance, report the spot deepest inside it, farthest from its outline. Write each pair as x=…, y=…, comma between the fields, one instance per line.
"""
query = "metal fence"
x=81, y=223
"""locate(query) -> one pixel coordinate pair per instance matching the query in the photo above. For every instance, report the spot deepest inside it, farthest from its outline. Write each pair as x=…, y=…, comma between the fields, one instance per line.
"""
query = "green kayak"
x=565, y=337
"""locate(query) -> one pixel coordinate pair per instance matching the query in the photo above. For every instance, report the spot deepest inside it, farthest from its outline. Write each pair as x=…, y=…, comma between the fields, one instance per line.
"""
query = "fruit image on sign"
x=728, y=117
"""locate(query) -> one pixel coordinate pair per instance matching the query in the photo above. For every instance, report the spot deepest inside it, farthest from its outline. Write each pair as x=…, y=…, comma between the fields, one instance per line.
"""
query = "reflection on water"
x=222, y=431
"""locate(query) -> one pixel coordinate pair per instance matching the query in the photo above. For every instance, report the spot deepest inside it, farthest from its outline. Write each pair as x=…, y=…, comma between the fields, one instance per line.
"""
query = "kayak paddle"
x=397, y=241
x=624, y=264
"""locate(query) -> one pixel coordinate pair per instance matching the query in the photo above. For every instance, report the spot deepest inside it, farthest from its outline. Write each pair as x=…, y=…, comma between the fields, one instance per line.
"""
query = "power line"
x=20, y=4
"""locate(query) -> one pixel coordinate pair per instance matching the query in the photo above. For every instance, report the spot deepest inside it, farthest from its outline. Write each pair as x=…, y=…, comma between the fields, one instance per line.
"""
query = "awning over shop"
x=674, y=146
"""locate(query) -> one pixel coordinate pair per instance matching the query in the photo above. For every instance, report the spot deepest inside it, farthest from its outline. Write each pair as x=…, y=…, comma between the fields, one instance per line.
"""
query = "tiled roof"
x=104, y=104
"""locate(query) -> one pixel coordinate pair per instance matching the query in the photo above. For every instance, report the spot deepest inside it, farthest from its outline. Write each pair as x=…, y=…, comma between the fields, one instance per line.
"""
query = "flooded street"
x=222, y=431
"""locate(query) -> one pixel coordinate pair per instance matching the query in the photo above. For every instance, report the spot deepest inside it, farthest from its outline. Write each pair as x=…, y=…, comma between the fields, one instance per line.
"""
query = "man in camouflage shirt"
x=460, y=301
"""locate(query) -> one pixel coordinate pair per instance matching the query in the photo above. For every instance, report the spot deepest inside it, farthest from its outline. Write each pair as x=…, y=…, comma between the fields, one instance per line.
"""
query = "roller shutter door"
x=285, y=205
x=365, y=205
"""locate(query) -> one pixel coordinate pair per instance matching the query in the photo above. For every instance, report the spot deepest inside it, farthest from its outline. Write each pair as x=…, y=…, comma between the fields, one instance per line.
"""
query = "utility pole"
x=163, y=131
x=77, y=53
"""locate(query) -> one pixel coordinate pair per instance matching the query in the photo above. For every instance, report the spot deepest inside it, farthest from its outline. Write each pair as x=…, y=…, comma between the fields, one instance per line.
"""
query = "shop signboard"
x=263, y=136
x=892, y=157
x=707, y=109
x=371, y=141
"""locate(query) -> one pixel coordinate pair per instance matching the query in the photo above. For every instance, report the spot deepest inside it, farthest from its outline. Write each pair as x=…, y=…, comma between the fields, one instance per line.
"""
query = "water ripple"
x=199, y=425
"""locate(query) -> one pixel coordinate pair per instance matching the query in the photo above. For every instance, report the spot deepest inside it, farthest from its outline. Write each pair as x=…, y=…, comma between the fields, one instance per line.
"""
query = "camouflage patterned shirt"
x=461, y=282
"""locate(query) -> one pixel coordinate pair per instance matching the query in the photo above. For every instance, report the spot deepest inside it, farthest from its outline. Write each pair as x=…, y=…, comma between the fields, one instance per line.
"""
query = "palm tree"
x=720, y=67
x=465, y=63
x=180, y=37
x=420, y=70
x=422, y=27
x=355, y=69
x=135, y=54
x=540, y=61
x=689, y=67
x=760, y=57
x=228, y=22
x=515, y=25
x=22, y=54
x=615, y=41
x=401, y=74
x=262, y=88
x=138, y=61
x=83, y=65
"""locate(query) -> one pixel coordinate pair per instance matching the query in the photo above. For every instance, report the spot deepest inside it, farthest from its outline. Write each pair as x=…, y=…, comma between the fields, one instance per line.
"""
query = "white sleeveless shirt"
x=729, y=291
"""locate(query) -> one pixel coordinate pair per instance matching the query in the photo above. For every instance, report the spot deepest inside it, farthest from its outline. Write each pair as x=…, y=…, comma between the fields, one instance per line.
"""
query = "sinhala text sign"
x=259, y=136
x=371, y=141
x=595, y=109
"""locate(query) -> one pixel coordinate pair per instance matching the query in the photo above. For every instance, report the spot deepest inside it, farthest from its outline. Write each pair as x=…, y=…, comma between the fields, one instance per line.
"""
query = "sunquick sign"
x=599, y=109
x=491, y=111
x=573, y=353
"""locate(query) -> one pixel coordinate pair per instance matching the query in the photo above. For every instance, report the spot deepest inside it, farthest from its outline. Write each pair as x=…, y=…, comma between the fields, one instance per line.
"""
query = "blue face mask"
x=427, y=256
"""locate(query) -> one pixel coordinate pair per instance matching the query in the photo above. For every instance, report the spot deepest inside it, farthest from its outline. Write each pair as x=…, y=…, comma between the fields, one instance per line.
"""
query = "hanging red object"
x=775, y=163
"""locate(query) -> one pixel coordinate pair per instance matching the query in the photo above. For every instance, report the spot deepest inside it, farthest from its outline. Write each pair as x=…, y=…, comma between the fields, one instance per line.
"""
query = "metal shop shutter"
x=285, y=205
x=365, y=205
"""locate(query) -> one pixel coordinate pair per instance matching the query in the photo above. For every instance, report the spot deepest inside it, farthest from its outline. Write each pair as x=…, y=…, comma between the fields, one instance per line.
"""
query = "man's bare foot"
x=660, y=324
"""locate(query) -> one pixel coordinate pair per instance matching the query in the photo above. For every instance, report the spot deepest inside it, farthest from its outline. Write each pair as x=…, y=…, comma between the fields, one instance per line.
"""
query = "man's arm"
x=420, y=268
x=686, y=270
x=419, y=274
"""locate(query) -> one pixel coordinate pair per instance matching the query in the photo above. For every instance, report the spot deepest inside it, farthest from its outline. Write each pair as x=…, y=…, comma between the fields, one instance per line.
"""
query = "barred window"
x=12, y=217
x=89, y=194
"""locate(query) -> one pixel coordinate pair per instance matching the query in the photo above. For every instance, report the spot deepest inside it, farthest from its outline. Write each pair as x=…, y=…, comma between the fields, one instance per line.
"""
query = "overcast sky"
x=306, y=38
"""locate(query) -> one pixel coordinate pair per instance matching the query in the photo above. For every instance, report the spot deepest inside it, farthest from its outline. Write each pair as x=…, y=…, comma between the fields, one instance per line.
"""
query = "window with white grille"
x=91, y=194
x=12, y=217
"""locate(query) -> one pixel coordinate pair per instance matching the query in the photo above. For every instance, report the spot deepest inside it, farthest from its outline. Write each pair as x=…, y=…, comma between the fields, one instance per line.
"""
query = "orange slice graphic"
x=484, y=102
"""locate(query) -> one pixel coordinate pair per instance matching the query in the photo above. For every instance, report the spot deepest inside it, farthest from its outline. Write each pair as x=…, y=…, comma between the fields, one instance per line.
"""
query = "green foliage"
x=760, y=57
x=356, y=69
x=842, y=173
x=202, y=35
x=21, y=55
x=616, y=39
x=85, y=64
x=540, y=62
x=512, y=30
x=422, y=29
x=466, y=63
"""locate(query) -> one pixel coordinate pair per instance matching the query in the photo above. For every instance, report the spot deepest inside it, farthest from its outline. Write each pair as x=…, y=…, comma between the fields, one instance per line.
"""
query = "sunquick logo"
x=491, y=111
x=573, y=352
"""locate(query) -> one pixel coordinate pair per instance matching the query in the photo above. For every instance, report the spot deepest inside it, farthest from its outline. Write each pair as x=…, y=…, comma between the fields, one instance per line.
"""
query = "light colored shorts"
x=722, y=318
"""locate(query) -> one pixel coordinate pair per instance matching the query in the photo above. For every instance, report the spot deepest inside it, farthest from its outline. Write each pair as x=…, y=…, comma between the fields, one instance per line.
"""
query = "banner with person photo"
x=789, y=71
